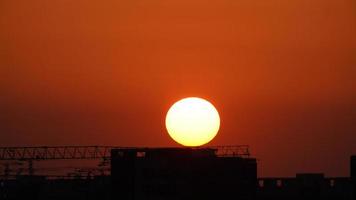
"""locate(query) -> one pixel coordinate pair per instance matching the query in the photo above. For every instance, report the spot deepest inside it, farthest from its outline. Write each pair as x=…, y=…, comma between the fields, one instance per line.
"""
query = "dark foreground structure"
x=182, y=173
x=170, y=173
x=309, y=186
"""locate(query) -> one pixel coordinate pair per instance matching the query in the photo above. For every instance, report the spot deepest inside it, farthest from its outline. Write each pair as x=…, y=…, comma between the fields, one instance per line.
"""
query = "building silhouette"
x=353, y=174
x=305, y=186
x=181, y=173
x=168, y=173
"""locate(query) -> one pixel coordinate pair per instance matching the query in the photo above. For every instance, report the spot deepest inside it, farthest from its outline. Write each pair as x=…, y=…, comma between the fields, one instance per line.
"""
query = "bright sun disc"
x=192, y=121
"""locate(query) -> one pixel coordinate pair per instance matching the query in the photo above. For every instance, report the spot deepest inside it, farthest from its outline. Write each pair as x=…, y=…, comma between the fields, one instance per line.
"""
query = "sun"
x=192, y=121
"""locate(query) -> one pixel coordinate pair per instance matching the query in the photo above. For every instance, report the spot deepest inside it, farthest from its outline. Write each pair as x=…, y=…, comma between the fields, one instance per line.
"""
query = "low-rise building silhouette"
x=171, y=174
x=305, y=186
x=353, y=174
x=181, y=173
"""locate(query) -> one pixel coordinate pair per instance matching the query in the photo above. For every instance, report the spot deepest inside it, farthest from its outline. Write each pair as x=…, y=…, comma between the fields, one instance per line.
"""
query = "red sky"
x=281, y=73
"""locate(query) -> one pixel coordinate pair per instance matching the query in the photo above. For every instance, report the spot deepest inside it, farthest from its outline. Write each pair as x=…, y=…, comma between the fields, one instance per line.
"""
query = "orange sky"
x=281, y=73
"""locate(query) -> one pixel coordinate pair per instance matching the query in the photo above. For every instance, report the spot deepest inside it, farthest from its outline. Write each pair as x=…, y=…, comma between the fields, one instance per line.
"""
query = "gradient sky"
x=281, y=73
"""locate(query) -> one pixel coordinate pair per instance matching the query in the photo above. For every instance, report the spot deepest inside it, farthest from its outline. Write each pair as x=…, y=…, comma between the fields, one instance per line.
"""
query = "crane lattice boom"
x=91, y=152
